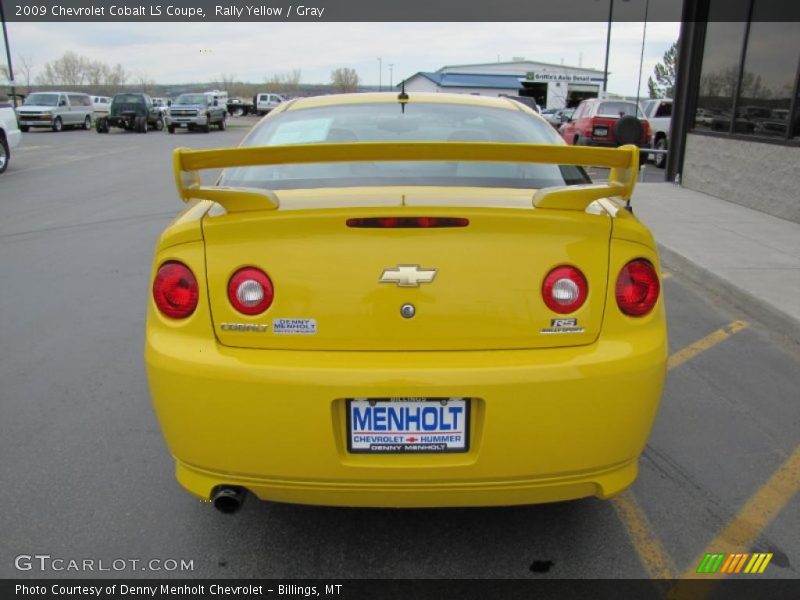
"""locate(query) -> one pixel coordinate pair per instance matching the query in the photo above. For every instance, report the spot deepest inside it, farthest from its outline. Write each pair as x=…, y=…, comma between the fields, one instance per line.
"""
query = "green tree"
x=663, y=86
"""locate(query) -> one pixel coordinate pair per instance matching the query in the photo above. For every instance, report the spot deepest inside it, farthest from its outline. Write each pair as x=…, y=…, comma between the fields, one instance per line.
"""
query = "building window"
x=796, y=120
x=768, y=78
x=749, y=69
x=719, y=73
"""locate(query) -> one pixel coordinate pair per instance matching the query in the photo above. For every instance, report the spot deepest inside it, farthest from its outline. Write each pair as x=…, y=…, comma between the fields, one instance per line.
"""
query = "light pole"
x=391, y=66
x=380, y=74
x=8, y=58
x=608, y=43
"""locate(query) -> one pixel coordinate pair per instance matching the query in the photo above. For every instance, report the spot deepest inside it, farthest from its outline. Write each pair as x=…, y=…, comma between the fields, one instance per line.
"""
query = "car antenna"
x=402, y=97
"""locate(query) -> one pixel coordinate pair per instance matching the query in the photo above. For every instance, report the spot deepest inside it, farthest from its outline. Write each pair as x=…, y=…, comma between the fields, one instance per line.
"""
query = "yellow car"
x=404, y=301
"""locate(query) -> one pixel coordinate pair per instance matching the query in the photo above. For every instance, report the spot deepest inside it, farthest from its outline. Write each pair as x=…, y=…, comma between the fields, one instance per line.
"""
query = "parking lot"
x=87, y=475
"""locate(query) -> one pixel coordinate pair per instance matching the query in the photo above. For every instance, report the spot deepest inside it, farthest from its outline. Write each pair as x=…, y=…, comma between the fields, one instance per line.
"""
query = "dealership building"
x=736, y=120
x=552, y=86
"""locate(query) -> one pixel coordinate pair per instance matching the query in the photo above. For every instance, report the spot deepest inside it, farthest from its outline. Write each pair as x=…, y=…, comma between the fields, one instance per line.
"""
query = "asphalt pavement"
x=86, y=474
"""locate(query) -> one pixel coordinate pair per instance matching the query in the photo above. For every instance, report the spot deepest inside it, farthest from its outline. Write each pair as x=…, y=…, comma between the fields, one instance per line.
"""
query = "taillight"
x=564, y=290
x=175, y=290
x=250, y=291
x=407, y=222
x=637, y=288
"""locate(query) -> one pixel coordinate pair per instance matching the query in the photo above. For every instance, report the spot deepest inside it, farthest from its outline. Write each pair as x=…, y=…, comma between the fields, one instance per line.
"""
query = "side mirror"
x=62, y=102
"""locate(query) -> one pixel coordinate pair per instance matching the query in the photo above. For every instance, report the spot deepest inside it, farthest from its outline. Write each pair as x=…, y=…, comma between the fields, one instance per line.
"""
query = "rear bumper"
x=609, y=144
x=546, y=425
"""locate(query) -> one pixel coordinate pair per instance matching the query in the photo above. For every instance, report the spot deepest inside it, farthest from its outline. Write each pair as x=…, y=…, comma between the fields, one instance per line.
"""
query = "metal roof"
x=474, y=80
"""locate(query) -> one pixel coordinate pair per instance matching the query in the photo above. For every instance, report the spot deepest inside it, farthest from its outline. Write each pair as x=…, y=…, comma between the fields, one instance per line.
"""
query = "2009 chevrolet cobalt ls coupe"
x=405, y=301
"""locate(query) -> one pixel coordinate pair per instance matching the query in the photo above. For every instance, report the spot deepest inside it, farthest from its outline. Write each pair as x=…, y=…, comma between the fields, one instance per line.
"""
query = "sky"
x=200, y=52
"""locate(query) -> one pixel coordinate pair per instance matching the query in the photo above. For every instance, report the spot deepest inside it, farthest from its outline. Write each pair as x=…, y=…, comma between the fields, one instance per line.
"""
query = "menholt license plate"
x=407, y=425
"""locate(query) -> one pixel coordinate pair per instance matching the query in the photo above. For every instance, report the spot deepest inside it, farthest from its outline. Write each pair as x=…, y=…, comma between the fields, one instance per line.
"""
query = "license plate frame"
x=417, y=446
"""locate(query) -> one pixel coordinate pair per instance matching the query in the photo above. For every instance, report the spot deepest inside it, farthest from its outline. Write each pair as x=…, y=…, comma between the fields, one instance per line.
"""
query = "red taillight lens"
x=564, y=290
x=637, y=288
x=250, y=291
x=407, y=222
x=175, y=290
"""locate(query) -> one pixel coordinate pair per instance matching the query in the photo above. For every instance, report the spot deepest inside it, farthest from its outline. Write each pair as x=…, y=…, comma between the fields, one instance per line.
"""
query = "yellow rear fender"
x=623, y=162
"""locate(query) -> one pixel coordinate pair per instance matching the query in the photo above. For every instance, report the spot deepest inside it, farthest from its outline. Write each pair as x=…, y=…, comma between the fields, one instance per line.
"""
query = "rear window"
x=79, y=100
x=617, y=109
x=128, y=99
x=389, y=122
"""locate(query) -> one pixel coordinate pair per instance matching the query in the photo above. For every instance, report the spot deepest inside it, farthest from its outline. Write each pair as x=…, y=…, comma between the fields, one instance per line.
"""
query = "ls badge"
x=562, y=326
x=408, y=275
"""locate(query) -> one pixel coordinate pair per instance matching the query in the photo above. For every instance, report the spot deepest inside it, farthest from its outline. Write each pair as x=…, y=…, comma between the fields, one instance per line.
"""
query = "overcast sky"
x=198, y=52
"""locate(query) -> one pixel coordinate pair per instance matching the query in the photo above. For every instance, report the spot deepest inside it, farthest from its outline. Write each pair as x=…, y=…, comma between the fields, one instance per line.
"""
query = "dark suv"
x=132, y=112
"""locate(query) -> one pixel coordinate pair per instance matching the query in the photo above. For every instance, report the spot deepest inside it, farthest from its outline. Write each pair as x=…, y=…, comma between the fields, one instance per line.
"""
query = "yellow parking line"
x=651, y=553
x=644, y=539
x=720, y=335
x=757, y=513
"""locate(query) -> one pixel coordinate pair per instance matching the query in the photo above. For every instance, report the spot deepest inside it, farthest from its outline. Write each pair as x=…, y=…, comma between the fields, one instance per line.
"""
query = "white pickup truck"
x=10, y=135
x=659, y=114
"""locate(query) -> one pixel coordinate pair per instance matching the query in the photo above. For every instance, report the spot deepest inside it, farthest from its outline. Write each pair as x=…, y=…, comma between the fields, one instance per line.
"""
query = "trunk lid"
x=486, y=293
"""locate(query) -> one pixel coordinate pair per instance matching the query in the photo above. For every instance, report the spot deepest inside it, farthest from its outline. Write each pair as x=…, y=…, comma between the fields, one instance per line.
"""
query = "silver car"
x=56, y=110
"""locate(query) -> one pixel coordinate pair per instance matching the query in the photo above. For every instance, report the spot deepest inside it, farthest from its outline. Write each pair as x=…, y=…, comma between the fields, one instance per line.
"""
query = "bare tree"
x=284, y=83
x=344, y=80
x=69, y=70
x=25, y=69
x=145, y=82
x=97, y=73
x=117, y=77
x=226, y=81
x=291, y=81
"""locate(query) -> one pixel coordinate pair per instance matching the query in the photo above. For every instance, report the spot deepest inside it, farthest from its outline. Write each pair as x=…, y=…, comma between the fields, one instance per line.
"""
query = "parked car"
x=609, y=123
x=526, y=100
x=238, y=107
x=704, y=116
x=56, y=110
x=557, y=116
x=162, y=104
x=10, y=134
x=326, y=338
x=101, y=105
x=266, y=102
x=196, y=111
x=658, y=113
x=131, y=112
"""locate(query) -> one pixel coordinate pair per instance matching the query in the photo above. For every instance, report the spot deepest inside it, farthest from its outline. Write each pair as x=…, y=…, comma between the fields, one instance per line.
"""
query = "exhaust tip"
x=228, y=499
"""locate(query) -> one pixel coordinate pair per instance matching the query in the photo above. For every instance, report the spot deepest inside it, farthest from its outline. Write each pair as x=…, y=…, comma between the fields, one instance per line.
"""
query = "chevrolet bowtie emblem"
x=407, y=275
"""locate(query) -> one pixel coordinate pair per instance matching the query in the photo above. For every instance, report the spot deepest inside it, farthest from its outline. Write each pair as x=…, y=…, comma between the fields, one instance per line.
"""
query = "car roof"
x=391, y=97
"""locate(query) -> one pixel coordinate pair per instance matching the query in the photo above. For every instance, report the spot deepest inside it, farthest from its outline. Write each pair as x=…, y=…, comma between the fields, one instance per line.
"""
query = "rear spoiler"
x=623, y=162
